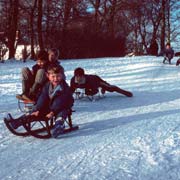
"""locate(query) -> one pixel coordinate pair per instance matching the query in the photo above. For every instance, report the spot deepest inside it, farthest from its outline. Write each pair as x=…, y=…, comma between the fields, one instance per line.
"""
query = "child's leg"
x=40, y=79
x=170, y=58
x=164, y=59
x=59, y=124
x=178, y=62
x=112, y=88
x=122, y=91
x=27, y=79
x=169, y=61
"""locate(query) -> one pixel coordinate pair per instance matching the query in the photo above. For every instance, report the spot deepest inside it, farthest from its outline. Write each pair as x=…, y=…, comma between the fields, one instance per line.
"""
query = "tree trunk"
x=67, y=9
x=13, y=21
x=163, y=25
x=32, y=29
x=112, y=16
x=39, y=25
x=168, y=21
x=97, y=4
x=47, y=41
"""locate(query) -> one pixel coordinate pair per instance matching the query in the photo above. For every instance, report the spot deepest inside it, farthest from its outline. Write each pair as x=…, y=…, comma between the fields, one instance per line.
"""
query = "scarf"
x=52, y=91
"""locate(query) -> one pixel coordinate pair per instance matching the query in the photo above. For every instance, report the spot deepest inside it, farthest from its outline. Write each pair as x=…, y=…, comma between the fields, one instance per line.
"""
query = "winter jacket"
x=168, y=52
x=61, y=100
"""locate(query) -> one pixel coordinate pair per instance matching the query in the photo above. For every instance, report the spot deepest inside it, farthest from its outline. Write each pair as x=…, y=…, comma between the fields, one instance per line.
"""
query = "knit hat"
x=53, y=68
x=79, y=71
x=42, y=55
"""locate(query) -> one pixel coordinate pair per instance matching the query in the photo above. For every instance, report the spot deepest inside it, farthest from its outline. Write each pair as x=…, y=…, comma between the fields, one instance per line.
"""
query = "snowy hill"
x=120, y=138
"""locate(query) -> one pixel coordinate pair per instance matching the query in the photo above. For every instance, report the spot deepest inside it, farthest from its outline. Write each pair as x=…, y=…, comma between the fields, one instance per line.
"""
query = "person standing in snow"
x=168, y=53
x=92, y=83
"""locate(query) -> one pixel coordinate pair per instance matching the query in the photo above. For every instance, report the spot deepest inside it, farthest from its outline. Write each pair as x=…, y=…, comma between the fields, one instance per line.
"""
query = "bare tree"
x=39, y=25
x=32, y=28
x=163, y=24
x=12, y=27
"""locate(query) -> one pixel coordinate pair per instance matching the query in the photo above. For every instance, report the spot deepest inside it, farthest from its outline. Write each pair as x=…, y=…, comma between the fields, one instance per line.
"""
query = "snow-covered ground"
x=120, y=138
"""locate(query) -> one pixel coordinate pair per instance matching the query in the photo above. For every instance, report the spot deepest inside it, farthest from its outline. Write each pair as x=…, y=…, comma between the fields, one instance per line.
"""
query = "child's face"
x=80, y=79
x=41, y=63
x=167, y=46
x=55, y=79
x=52, y=57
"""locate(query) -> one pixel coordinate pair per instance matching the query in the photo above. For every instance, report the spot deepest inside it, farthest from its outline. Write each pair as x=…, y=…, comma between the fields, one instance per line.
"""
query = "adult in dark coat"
x=168, y=53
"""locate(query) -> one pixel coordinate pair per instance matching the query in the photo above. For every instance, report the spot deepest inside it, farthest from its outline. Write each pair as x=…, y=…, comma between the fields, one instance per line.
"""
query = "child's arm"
x=34, y=69
x=72, y=85
x=36, y=113
x=63, y=101
x=42, y=99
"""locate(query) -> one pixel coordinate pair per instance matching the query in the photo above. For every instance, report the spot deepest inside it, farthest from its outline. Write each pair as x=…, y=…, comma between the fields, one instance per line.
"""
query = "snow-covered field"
x=120, y=138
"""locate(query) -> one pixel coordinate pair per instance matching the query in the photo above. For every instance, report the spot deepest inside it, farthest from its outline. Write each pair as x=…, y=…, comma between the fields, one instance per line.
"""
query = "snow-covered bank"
x=119, y=138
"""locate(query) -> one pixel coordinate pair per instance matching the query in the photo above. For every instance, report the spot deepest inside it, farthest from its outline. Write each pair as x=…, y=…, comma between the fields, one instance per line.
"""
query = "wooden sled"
x=41, y=128
x=80, y=94
x=20, y=132
x=25, y=106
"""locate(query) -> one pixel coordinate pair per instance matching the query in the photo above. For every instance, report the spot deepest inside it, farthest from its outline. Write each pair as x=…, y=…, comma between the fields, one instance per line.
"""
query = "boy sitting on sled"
x=55, y=98
x=91, y=83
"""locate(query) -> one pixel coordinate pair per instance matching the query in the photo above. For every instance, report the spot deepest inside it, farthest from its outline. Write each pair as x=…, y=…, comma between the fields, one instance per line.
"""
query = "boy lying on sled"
x=91, y=83
x=55, y=98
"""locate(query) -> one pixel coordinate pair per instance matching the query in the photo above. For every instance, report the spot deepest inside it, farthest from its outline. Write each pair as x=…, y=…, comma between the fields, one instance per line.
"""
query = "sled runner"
x=80, y=94
x=25, y=106
x=40, y=128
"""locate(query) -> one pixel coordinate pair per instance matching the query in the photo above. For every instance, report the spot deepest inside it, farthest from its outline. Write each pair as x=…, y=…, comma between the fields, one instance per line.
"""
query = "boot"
x=25, y=90
x=58, y=128
x=14, y=123
x=103, y=91
x=169, y=61
x=27, y=98
x=178, y=62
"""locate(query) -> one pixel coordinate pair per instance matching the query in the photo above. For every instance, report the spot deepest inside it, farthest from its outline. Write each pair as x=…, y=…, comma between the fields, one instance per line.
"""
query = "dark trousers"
x=167, y=57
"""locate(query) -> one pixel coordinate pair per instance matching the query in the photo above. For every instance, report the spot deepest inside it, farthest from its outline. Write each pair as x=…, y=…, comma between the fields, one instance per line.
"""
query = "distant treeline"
x=88, y=28
x=91, y=46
